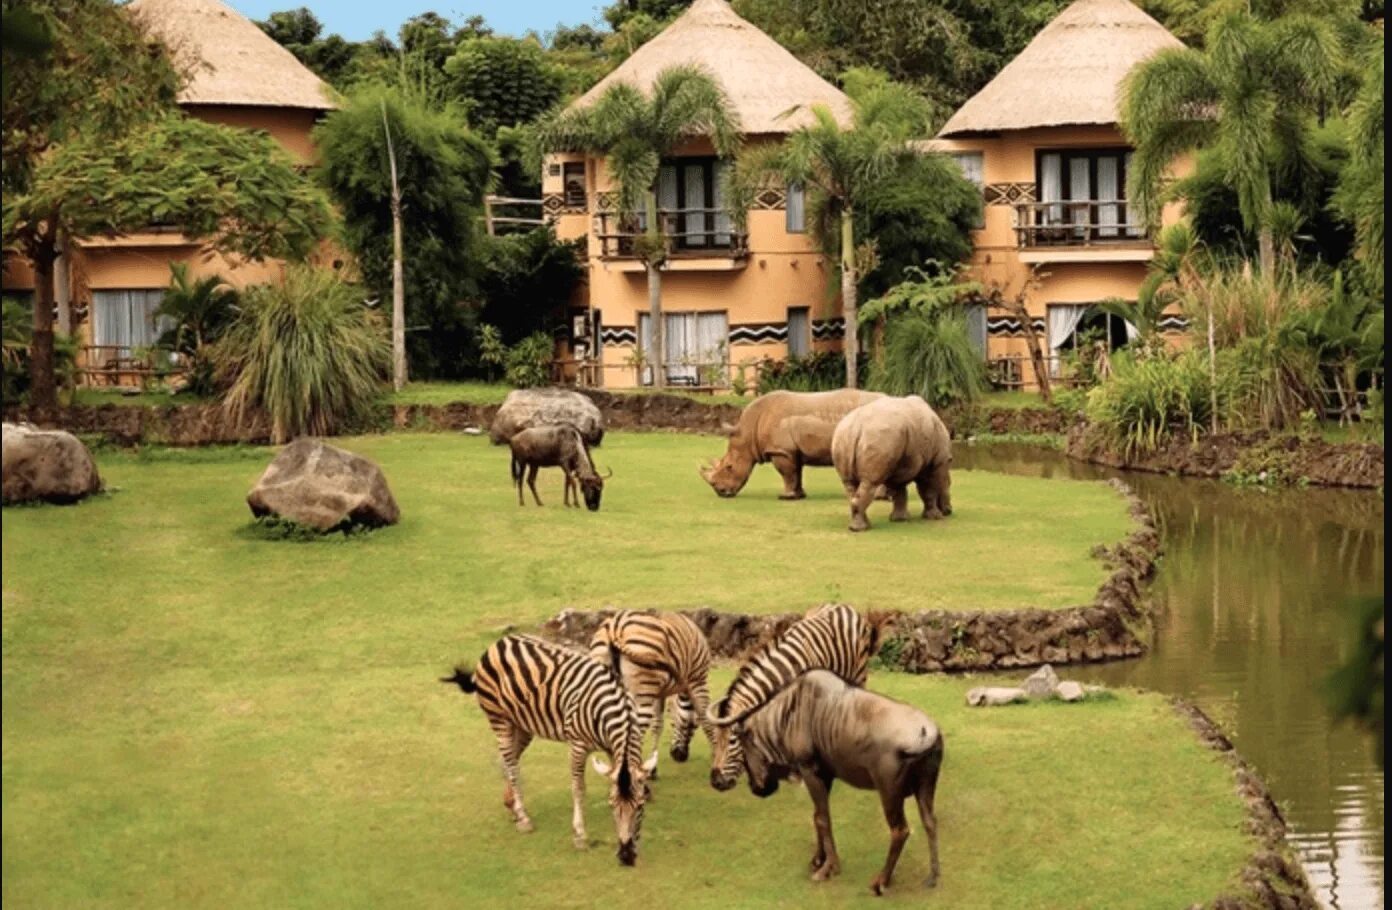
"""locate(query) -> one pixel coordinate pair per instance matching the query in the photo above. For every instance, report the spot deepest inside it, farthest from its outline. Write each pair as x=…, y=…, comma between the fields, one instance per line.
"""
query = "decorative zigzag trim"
x=1173, y=324
x=618, y=336
x=758, y=333
x=1010, y=327
x=828, y=329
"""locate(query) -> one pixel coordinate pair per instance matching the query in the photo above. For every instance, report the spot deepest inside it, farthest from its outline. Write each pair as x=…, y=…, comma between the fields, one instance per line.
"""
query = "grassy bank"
x=197, y=716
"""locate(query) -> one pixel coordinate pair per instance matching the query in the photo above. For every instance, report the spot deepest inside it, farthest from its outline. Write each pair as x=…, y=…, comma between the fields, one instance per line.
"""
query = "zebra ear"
x=600, y=766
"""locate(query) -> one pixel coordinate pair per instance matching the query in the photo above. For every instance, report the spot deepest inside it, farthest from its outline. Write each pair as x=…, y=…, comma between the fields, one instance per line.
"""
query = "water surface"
x=1254, y=595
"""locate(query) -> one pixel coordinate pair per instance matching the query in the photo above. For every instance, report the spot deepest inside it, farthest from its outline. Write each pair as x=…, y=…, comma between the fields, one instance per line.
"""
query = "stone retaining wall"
x=1116, y=624
x=1272, y=878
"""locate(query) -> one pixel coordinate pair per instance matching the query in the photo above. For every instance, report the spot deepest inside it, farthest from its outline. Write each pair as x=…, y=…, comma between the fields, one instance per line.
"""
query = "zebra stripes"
x=831, y=637
x=659, y=656
x=530, y=688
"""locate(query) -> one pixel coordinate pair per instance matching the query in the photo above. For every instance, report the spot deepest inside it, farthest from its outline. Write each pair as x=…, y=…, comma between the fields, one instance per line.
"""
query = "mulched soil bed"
x=1272, y=877
x=1116, y=624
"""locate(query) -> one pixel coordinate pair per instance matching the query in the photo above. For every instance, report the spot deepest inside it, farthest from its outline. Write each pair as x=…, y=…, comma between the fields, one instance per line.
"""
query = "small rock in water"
x=1041, y=683
x=991, y=696
x=1070, y=691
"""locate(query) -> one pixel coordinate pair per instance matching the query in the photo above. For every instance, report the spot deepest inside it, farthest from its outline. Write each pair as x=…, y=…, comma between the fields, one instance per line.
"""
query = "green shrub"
x=1147, y=401
x=199, y=311
x=819, y=371
x=18, y=323
x=307, y=353
x=929, y=353
x=529, y=361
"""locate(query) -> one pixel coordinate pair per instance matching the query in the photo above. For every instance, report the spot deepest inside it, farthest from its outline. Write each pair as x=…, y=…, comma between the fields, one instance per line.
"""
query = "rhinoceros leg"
x=928, y=492
x=899, y=495
x=790, y=469
x=860, y=501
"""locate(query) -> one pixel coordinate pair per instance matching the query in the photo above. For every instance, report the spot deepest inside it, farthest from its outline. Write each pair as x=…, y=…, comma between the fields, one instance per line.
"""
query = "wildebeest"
x=831, y=637
x=559, y=446
x=660, y=656
x=789, y=429
x=892, y=442
x=823, y=729
x=529, y=687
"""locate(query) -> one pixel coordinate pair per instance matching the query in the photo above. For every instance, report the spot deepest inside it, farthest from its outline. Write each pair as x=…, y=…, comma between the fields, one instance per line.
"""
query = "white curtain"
x=722, y=218
x=126, y=319
x=1063, y=321
x=695, y=199
x=1080, y=189
x=666, y=194
x=1132, y=333
x=797, y=209
x=1107, y=190
x=1051, y=186
x=693, y=341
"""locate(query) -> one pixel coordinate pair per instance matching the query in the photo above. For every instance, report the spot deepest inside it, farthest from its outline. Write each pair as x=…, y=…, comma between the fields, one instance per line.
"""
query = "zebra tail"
x=462, y=678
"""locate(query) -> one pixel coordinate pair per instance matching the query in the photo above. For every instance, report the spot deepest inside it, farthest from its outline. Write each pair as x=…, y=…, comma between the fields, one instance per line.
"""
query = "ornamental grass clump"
x=1148, y=401
x=306, y=353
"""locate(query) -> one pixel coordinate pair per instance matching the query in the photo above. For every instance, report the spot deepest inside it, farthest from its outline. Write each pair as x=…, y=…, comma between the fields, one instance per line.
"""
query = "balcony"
x=1097, y=230
x=697, y=239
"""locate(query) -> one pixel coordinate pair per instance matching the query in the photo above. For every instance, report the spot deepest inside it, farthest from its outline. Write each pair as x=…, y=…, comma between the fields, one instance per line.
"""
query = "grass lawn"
x=197, y=716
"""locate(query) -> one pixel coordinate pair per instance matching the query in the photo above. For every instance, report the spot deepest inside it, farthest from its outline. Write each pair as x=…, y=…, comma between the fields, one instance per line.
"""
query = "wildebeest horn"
x=606, y=476
x=727, y=721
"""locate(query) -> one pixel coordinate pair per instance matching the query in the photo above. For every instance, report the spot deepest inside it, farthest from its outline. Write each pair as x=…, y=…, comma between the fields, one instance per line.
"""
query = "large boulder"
x=320, y=486
x=525, y=408
x=46, y=465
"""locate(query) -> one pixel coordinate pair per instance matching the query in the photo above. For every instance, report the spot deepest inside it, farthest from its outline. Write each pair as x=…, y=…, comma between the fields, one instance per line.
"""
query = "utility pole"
x=398, y=279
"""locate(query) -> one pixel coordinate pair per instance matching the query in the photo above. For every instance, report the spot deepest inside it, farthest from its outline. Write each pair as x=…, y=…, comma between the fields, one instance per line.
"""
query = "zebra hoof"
x=581, y=842
x=525, y=826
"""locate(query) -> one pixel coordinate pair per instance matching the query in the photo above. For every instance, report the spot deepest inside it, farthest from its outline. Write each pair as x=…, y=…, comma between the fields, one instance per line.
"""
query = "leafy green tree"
x=527, y=280
x=234, y=190
x=300, y=32
x=444, y=169
x=1360, y=196
x=841, y=169
x=634, y=132
x=1249, y=95
x=503, y=82
x=928, y=349
x=306, y=353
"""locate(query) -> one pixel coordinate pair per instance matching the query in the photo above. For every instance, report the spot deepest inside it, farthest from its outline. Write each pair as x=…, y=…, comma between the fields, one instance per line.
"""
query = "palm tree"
x=1248, y=95
x=634, y=131
x=838, y=167
x=198, y=311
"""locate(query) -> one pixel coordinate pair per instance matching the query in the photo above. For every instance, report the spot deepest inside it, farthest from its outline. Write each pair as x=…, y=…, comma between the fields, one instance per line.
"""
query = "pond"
x=1254, y=596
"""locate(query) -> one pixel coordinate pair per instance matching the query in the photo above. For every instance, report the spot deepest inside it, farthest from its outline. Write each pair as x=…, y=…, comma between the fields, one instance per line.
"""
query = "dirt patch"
x=1262, y=457
x=1116, y=624
x=1272, y=877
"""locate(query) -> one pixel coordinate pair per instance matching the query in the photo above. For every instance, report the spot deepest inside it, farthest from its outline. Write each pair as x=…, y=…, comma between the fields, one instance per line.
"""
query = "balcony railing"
x=688, y=233
x=1082, y=223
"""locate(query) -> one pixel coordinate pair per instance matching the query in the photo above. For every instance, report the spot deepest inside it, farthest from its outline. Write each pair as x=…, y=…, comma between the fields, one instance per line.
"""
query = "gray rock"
x=1070, y=691
x=1041, y=683
x=525, y=408
x=45, y=465
x=991, y=696
x=324, y=487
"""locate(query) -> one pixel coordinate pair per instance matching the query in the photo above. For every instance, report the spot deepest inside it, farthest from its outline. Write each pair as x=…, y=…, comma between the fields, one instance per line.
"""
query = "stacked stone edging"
x=173, y=425
x=1114, y=625
x=1319, y=462
x=1272, y=879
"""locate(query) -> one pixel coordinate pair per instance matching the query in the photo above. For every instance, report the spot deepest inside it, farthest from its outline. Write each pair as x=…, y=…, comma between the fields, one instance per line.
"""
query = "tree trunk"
x=851, y=344
x=1266, y=241
x=1212, y=375
x=1016, y=307
x=43, y=389
x=657, y=353
x=398, y=271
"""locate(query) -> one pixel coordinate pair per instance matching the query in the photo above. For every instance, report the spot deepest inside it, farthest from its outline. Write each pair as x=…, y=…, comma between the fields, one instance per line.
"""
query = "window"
x=973, y=168
x=797, y=209
x=573, y=181
x=692, y=192
x=695, y=345
x=799, y=331
x=1095, y=180
x=126, y=319
x=1073, y=326
x=976, y=327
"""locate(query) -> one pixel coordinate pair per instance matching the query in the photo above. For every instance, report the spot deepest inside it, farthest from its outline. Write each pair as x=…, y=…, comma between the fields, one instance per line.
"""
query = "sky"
x=356, y=20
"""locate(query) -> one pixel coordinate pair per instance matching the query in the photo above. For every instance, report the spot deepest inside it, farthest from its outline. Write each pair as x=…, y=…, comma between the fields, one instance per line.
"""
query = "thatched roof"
x=232, y=61
x=771, y=90
x=1070, y=73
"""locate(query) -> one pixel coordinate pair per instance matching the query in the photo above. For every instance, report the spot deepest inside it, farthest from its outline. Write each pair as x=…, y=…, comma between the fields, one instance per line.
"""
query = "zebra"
x=530, y=687
x=831, y=637
x=659, y=656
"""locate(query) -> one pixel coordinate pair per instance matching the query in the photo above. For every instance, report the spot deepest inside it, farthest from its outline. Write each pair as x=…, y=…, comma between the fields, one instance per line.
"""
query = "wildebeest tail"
x=464, y=679
x=516, y=470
